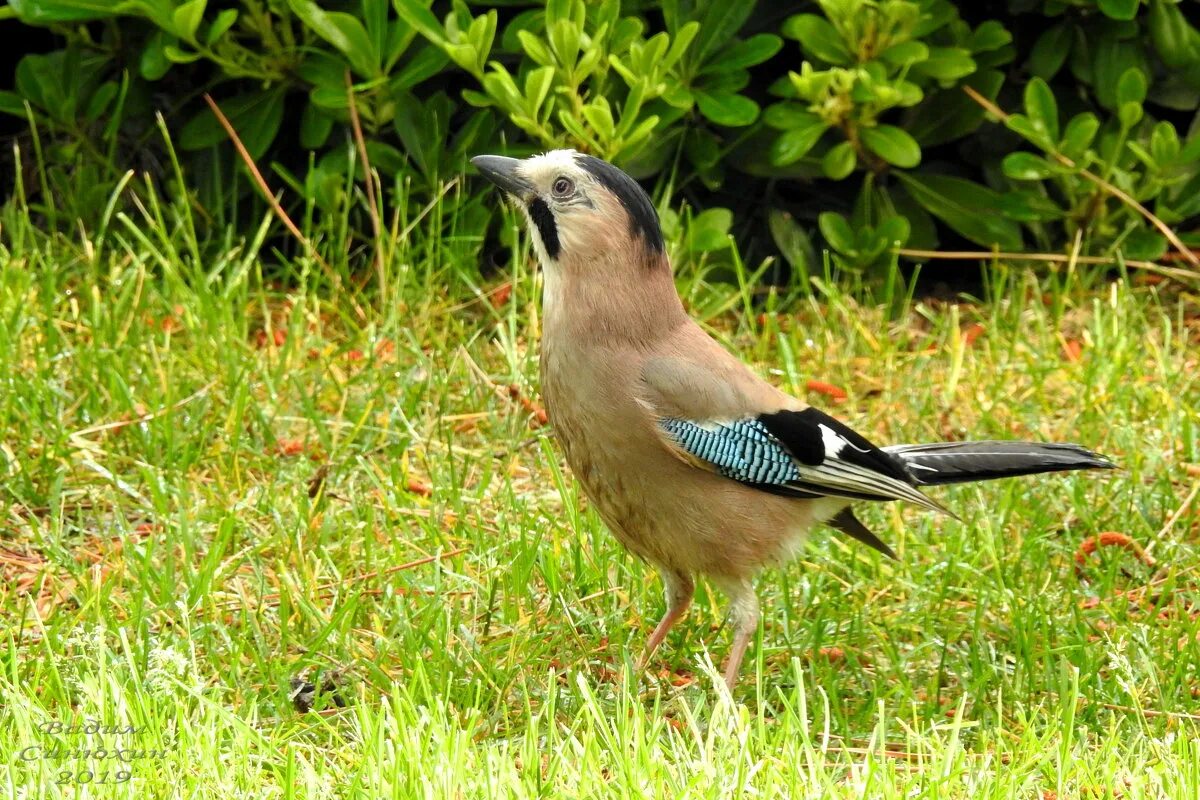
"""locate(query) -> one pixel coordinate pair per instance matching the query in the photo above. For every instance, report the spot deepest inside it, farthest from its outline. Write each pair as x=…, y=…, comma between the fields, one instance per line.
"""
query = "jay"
x=695, y=463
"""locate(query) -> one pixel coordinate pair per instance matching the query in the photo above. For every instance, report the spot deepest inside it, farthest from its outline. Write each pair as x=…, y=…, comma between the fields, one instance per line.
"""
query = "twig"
x=361, y=142
x=1163, y=228
x=123, y=423
x=276, y=207
x=1150, y=712
x=274, y=596
x=995, y=255
x=1184, y=506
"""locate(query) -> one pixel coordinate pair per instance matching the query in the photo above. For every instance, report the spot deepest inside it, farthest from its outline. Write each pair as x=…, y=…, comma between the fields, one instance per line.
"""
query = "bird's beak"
x=502, y=171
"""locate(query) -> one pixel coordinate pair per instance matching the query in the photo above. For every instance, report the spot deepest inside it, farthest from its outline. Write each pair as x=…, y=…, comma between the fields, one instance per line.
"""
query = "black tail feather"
x=847, y=523
x=961, y=462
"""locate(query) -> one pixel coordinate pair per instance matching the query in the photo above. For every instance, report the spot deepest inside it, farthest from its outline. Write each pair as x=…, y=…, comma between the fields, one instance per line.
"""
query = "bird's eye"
x=563, y=187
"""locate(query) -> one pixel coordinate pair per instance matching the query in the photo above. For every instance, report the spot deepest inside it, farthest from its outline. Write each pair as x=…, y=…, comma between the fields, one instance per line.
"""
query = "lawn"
x=232, y=488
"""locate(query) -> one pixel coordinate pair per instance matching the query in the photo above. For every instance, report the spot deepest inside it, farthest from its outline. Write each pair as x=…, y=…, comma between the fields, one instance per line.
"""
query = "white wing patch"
x=834, y=443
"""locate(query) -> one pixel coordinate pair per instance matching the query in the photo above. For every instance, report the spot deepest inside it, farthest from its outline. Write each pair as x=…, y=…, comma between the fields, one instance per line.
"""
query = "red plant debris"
x=972, y=333
x=536, y=412
x=833, y=655
x=419, y=487
x=287, y=448
x=1072, y=350
x=1108, y=539
x=500, y=296
x=277, y=338
x=835, y=393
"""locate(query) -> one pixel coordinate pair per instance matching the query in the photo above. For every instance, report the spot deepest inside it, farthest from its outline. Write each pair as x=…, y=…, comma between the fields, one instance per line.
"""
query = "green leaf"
x=1025, y=205
x=255, y=116
x=47, y=12
x=793, y=242
x=990, y=35
x=535, y=48
x=902, y=54
x=1130, y=114
x=837, y=232
x=538, y=83
x=343, y=31
x=177, y=55
x=839, y=161
x=428, y=61
x=818, y=38
x=1131, y=88
x=1022, y=166
x=315, y=127
x=420, y=17
x=893, y=232
x=154, y=62
x=221, y=25
x=599, y=116
x=1050, y=51
x=709, y=230
x=794, y=143
x=1078, y=136
x=784, y=116
x=892, y=144
x=946, y=64
x=746, y=53
x=726, y=108
x=187, y=18
x=1164, y=143
x=717, y=25
x=1111, y=58
x=1173, y=38
x=934, y=15
x=1042, y=109
x=951, y=114
x=12, y=103
x=923, y=232
x=1143, y=244
x=971, y=210
x=1119, y=9
x=1026, y=129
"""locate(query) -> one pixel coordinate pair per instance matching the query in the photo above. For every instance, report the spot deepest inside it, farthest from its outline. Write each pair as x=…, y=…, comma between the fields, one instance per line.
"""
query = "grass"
x=221, y=479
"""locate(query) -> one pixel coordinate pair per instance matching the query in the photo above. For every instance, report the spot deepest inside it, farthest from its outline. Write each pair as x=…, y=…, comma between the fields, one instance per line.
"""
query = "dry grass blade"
x=273, y=597
x=1163, y=228
x=123, y=423
x=273, y=201
x=996, y=255
x=368, y=177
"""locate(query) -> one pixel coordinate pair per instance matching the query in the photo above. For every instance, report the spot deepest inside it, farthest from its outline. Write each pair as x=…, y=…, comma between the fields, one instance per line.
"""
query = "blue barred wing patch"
x=743, y=450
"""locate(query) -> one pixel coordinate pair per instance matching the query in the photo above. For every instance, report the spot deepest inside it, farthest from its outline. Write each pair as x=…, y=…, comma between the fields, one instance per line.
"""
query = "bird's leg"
x=744, y=613
x=679, y=590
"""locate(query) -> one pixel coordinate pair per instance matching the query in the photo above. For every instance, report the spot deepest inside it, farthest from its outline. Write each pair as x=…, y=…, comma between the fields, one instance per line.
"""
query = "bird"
x=695, y=463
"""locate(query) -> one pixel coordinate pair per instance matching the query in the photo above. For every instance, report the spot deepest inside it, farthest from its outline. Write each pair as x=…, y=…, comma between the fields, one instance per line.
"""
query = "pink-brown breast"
x=670, y=513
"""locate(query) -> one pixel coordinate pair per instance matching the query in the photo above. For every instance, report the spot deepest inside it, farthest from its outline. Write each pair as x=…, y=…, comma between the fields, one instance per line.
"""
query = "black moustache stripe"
x=543, y=219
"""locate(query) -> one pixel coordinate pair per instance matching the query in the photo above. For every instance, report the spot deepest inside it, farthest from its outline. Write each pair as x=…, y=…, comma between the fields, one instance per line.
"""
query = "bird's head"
x=581, y=210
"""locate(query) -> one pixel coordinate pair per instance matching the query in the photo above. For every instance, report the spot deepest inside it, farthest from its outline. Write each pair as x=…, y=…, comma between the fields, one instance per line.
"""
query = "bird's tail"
x=961, y=462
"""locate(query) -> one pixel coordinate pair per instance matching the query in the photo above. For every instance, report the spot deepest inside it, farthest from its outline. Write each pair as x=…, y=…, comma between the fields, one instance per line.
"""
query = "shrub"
x=847, y=120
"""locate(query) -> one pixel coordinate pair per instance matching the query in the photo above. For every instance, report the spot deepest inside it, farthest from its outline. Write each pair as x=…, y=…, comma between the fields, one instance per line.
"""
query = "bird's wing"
x=713, y=419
